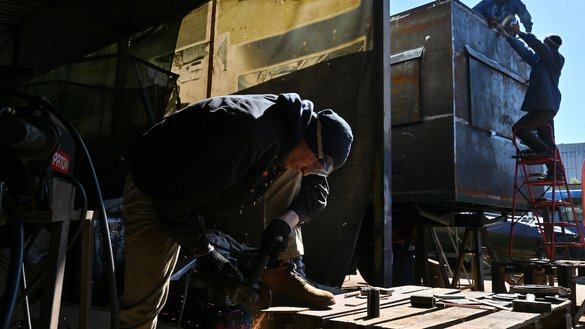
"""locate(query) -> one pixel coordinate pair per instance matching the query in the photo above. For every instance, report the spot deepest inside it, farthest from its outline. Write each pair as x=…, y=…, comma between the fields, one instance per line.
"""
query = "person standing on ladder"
x=543, y=97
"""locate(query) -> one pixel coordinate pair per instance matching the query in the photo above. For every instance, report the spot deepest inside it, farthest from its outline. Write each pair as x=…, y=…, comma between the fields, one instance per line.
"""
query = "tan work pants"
x=150, y=258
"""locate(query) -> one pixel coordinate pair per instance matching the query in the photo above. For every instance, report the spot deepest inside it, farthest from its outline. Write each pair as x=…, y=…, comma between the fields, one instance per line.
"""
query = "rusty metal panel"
x=494, y=109
x=422, y=162
x=484, y=170
x=490, y=82
x=406, y=84
x=422, y=147
x=430, y=29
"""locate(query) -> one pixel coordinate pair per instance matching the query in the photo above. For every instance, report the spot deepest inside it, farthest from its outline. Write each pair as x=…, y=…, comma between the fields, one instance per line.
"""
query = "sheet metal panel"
x=406, y=74
x=422, y=149
x=457, y=152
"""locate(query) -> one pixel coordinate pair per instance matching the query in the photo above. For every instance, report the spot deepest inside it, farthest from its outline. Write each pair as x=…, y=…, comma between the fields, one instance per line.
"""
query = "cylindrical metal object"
x=373, y=303
x=422, y=301
x=32, y=138
x=21, y=134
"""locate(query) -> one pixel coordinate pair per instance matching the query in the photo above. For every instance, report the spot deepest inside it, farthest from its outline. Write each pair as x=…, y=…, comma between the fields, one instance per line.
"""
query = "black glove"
x=213, y=269
x=492, y=21
x=275, y=238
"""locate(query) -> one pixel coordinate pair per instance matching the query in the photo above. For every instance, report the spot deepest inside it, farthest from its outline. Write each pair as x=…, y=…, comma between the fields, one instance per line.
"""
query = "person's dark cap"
x=554, y=40
x=335, y=136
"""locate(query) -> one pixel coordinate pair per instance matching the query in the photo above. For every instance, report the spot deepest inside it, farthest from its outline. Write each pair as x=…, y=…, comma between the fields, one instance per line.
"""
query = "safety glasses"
x=325, y=163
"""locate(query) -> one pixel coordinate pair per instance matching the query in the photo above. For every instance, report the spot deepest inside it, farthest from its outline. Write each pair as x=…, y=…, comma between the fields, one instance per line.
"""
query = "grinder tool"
x=253, y=293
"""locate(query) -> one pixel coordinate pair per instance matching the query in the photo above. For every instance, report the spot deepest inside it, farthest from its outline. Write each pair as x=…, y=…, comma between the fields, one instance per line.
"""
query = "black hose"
x=15, y=268
x=103, y=219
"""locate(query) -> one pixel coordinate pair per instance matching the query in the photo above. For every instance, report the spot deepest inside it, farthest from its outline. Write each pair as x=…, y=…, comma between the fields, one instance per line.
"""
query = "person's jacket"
x=488, y=8
x=225, y=152
x=546, y=64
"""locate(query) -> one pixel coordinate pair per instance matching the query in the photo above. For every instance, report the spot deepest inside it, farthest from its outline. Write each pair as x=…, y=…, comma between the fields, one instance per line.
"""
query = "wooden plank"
x=439, y=318
x=393, y=312
x=86, y=275
x=306, y=318
x=498, y=320
x=344, y=316
x=361, y=301
x=477, y=297
x=409, y=289
x=396, y=312
x=476, y=294
x=285, y=309
x=354, y=304
x=344, y=306
x=515, y=320
x=436, y=291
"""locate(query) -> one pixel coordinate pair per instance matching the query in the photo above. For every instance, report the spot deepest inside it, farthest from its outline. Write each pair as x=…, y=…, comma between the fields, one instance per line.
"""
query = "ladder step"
x=561, y=244
x=542, y=182
x=551, y=203
x=557, y=224
x=535, y=161
x=530, y=154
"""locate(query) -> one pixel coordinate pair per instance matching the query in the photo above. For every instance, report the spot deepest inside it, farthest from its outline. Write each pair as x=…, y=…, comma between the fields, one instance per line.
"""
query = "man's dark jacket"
x=223, y=152
x=546, y=63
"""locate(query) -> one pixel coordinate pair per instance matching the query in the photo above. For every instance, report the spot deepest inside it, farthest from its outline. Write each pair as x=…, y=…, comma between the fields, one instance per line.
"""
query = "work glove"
x=492, y=21
x=216, y=271
x=274, y=238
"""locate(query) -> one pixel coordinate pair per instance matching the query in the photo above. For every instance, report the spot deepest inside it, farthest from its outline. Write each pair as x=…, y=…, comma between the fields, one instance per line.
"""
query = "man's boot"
x=290, y=288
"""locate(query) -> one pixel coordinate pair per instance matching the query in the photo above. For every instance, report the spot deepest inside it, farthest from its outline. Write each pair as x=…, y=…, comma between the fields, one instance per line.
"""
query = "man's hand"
x=515, y=28
x=213, y=269
x=492, y=21
x=275, y=238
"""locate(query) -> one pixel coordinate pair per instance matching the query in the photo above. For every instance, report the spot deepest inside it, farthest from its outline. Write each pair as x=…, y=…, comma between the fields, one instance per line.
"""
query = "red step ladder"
x=552, y=214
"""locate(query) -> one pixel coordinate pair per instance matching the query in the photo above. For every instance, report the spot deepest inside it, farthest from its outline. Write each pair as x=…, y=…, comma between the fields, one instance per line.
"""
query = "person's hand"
x=275, y=238
x=492, y=21
x=215, y=270
x=515, y=28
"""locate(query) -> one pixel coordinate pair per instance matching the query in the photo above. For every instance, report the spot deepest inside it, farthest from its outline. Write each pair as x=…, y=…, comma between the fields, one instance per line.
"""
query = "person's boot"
x=290, y=288
x=560, y=175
